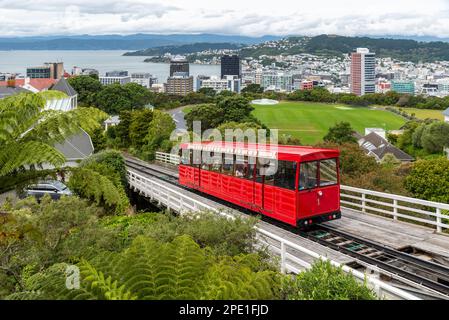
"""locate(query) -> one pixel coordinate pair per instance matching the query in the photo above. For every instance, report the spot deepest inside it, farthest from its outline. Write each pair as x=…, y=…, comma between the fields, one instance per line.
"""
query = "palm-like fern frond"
x=28, y=132
x=149, y=269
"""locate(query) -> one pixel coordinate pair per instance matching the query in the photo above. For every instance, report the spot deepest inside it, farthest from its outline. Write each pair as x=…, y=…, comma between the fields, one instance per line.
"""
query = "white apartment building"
x=111, y=80
x=230, y=83
x=277, y=81
x=143, y=78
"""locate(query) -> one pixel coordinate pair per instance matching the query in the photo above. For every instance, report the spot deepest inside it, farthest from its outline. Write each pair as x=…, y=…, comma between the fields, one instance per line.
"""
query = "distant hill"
x=119, y=42
x=185, y=49
x=402, y=49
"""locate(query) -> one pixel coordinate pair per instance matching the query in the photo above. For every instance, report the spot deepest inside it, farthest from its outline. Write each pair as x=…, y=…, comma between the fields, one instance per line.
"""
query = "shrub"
x=327, y=282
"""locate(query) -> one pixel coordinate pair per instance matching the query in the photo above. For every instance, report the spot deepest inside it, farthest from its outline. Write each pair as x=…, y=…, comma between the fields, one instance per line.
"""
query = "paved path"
x=178, y=116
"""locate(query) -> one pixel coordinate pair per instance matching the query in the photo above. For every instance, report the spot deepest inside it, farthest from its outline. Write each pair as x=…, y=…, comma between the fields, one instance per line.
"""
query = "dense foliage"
x=429, y=180
x=102, y=180
x=148, y=256
x=340, y=133
x=28, y=133
x=326, y=282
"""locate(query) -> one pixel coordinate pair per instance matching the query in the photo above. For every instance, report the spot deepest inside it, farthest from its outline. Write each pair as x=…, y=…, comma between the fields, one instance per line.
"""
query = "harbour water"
x=103, y=60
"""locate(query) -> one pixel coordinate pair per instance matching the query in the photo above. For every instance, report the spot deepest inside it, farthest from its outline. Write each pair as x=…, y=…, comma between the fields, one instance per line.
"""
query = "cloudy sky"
x=244, y=17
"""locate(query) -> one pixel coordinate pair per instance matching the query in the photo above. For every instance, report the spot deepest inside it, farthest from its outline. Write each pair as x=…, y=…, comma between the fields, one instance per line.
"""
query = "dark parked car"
x=54, y=188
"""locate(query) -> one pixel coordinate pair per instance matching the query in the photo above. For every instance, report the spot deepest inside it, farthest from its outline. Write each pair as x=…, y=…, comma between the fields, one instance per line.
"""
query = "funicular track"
x=423, y=273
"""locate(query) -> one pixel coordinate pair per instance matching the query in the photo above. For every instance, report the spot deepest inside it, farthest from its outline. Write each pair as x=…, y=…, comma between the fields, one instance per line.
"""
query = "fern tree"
x=149, y=269
x=28, y=133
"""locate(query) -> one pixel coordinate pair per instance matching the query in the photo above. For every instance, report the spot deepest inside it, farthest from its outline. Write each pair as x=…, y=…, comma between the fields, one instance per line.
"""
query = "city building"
x=117, y=73
x=38, y=72
x=306, y=85
x=50, y=70
x=158, y=87
x=90, y=72
x=144, y=79
x=363, y=72
x=229, y=83
x=446, y=115
x=231, y=66
x=401, y=86
x=179, y=64
x=56, y=69
x=110, y=80
x=277, y=81
x=179, y=85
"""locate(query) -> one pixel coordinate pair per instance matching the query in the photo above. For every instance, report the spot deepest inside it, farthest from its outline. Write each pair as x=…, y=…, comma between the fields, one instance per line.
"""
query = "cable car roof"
x=272, y=151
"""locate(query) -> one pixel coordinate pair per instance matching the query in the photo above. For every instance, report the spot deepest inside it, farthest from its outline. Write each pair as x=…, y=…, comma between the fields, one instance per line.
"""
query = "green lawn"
x=425, y=113
x=311, y=121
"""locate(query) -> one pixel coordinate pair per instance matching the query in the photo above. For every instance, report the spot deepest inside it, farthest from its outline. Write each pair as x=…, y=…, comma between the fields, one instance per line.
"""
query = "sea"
x=102, y=60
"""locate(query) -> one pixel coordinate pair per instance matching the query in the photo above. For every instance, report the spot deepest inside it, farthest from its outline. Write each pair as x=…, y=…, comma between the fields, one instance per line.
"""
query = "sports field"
x=425, y=113
x=311, y=121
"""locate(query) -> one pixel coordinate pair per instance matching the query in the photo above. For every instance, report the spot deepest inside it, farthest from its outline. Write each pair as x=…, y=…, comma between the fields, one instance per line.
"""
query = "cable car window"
x=265, y=171
x=185, y=157
x=216, y=164
x=328, y=172
x=308, y=175
x=286, y=175
x=242, y=168
x=195, y=158
x=228, y=164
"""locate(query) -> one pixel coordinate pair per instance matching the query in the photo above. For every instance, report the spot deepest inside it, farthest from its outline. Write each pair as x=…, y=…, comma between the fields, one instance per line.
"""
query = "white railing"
x=395, y=206
x=167, y=158
x=182, y=203
x=430, y=213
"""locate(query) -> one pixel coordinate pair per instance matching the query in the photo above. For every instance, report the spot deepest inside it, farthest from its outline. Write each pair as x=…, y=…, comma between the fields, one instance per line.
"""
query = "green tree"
x=159, y=131
x=435, y=137
x=237, y=109
x=429, y=180
x=210, y=116
x=122, y=129
x=98, y=139
x=252, y=88
x=33, y=236
x=115, y=98
x=342, y=132
x=138, y=128
x=209, y=92
x=28, y=133
x=87, y=88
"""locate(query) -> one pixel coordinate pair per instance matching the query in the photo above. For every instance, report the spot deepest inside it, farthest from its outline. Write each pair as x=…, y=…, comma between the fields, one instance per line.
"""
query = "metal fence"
x=183, y=203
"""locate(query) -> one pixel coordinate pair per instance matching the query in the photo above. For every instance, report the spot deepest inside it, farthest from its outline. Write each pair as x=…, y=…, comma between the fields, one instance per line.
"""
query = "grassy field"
x=425, y=113
x=311, y=121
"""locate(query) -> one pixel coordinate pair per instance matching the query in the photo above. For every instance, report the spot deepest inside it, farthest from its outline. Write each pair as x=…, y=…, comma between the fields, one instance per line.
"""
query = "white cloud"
x=248, y=17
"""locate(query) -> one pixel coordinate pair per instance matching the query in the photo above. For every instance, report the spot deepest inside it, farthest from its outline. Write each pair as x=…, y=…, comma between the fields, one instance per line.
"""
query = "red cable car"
x=296, y=185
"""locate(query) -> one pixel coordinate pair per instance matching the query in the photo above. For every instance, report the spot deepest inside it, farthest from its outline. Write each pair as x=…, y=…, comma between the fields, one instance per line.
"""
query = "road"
x=178, y=116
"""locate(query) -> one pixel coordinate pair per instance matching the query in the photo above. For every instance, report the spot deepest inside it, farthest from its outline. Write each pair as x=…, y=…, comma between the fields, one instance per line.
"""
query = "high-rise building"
x=179, y=64
x=179, y=85
x=231, y=66
x=363, y=72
